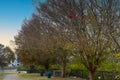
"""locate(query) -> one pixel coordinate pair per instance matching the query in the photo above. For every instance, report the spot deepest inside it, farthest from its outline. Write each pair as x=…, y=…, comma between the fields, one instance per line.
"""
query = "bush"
x=79, y=73
x=73, y=67
x=22, y=68
x=33, y=69
x=54, y=67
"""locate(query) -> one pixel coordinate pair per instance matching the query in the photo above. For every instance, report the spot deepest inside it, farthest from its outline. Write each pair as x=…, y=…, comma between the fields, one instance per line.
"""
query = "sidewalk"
x=11, y=77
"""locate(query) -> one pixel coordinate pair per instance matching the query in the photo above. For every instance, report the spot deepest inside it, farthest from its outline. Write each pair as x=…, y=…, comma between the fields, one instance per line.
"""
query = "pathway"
x=11, y=77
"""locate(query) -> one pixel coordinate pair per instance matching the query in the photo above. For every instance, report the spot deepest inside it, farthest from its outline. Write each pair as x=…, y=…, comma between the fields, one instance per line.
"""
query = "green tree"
x=63, y=49
x=6, y=55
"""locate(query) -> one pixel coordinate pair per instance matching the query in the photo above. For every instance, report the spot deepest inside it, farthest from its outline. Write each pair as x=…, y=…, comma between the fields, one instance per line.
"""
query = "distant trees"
x=60, y=29
x=6, y=55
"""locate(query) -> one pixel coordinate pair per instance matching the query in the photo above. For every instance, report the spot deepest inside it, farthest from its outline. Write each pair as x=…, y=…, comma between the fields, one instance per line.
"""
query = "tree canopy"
x=6, y=55
x=61, y=29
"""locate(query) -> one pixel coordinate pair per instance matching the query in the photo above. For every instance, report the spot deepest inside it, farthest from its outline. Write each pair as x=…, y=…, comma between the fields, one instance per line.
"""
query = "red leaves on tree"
x=71, y=16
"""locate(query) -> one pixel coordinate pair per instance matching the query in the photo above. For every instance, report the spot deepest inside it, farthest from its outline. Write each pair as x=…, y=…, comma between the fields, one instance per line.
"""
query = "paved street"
x=11, y=77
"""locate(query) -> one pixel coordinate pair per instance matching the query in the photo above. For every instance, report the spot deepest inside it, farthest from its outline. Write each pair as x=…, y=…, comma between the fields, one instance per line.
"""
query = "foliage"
x=6, y=55
x=55, y=67
x=90, y=37
x=22, y=68
x=29, y=43
x=64, y=29
x=111, y=64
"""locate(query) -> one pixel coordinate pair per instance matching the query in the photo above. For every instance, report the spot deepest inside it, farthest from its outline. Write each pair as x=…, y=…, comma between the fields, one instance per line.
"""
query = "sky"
x=12, y=14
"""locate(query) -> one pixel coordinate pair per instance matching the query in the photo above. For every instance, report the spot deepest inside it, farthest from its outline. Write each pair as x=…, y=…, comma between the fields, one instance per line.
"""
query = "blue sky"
x=12, y=14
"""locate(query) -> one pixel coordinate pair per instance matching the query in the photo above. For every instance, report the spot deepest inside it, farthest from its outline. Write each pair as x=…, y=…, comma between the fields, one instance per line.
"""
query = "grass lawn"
x=38, y=77
x=2, y=75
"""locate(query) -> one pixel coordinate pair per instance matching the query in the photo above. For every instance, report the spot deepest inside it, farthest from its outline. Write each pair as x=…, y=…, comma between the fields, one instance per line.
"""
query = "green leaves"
x=6, y=55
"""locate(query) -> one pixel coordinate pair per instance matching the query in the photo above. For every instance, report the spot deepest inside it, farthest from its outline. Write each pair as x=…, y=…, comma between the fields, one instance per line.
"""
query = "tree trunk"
x=64, y=70
x=91, y=75
x=46, y=66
